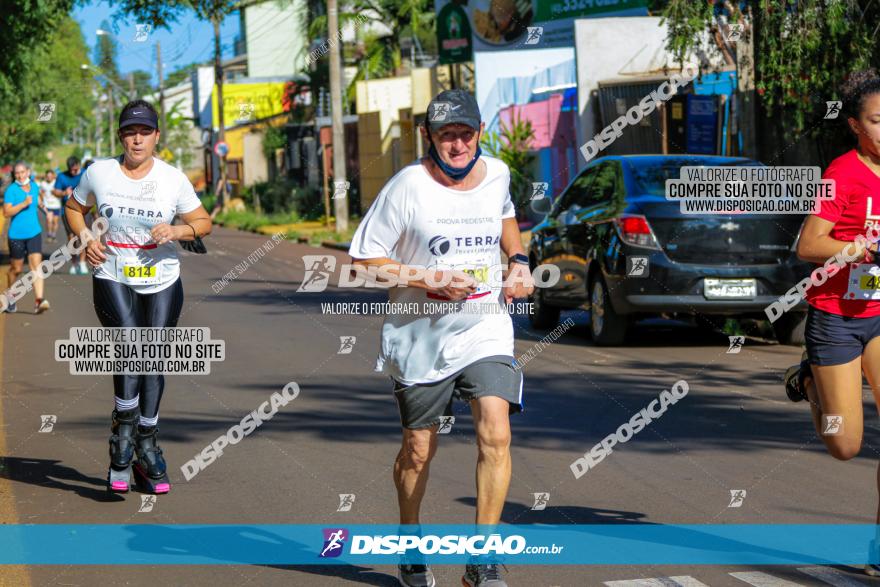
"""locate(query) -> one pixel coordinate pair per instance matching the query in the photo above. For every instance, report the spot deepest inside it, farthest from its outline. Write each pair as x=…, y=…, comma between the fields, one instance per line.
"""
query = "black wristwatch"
x=518, y=258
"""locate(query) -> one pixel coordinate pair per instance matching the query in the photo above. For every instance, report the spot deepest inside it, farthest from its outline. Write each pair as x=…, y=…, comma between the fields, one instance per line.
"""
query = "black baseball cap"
x=138, y=115
x=453, y=107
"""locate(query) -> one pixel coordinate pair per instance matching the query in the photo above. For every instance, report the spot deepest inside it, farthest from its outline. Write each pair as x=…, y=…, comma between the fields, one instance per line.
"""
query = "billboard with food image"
x=496, y=25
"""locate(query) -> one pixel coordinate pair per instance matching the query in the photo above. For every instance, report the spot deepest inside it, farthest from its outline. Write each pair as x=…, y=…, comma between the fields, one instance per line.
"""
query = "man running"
x=137, y=277
x=20, y=204
x=65, y=183
x=52, y=204
x=843, y=324
x=440, y=225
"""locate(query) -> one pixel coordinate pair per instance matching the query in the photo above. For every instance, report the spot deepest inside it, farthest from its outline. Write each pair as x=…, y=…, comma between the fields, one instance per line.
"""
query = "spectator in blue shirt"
x=65, y=183
x=21, y=200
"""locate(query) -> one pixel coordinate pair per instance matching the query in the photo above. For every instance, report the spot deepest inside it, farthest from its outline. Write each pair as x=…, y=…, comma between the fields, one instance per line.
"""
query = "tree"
x=181, y=74
x=513, y=146
x=380, y=56
x=162, y=14
x=803, y=50
x=106, y=52
x=143, y=82
x=45, y=72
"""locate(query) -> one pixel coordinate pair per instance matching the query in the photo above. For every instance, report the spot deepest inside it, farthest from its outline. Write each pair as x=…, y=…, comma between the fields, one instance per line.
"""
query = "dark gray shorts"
x=423, y=405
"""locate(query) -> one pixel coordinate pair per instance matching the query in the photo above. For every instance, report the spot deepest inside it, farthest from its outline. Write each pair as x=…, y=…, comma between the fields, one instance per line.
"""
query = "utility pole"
x=110, y=120
x=340, y=205
x=218, y=79
x=161, y=87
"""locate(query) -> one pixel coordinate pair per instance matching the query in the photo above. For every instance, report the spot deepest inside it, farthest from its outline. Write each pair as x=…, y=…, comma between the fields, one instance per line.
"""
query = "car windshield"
x=650, y=180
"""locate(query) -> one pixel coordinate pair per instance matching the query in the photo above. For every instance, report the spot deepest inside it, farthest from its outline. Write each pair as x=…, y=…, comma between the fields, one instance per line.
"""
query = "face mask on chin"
x=454, y=173
x=25, y=182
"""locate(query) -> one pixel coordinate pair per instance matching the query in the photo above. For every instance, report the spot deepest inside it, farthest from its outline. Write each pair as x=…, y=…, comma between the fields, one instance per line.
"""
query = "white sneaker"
x=83, y=268
x=72, y=270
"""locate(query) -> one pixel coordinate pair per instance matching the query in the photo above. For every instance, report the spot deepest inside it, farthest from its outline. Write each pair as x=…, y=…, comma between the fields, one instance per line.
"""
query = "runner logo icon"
x=346, y=501
x=318, y=271
x=47, y=423
x=334, y=541
x=105, y=210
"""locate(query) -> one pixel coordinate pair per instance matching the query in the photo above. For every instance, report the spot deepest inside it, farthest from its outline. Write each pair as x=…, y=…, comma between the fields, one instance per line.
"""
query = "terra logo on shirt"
x=439, y=245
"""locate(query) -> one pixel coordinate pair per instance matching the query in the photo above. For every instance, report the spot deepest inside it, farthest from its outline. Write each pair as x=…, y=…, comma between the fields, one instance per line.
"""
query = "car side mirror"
x=541, y=205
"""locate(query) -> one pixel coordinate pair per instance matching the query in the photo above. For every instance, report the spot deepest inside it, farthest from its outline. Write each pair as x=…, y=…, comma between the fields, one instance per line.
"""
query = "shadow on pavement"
x=51, y=474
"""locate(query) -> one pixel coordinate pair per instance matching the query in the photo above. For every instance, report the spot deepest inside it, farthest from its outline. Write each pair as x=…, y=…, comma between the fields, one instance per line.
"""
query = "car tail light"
x=635, y=230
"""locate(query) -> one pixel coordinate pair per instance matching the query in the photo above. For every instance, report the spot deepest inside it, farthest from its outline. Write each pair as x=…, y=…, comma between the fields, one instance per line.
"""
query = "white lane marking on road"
x=681, y=581
x=759, y=579
x=831, y=576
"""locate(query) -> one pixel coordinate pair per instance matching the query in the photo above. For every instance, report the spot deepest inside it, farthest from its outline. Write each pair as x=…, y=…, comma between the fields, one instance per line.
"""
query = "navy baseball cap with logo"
x=138, y=114
x=453, y=107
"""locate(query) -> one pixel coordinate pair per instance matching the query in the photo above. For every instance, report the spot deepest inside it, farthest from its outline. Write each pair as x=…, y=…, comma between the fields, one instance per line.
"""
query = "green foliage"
x=48, y=71
x=380, y=56
x=513, y=146
x=182, y=74
x=803, y=50
x=106, y=51
x=143, y=83
x=274, y=139
x=249, y=220
x=177, y=137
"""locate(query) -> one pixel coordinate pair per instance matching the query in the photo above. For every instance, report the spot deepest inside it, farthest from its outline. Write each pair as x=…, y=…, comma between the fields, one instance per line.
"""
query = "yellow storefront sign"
x=243, y=103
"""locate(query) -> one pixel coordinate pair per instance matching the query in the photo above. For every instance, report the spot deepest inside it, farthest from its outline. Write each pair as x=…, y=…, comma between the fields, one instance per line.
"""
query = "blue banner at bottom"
x=624, y=544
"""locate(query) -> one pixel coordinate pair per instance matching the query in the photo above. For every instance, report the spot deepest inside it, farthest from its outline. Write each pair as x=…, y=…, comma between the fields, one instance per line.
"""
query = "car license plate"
x=727, y=289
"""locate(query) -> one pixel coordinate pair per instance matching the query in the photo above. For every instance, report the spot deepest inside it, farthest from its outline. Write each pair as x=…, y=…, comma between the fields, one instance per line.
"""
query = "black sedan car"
x=626, y=252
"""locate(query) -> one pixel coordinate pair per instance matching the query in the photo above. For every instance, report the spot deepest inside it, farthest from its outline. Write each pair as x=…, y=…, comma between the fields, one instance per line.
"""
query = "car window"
x=650, y=180
x=575, y=191
x=603, y=186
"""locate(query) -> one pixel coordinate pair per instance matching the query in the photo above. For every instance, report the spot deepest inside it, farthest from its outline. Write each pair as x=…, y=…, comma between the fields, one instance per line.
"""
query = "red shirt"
x=855, y=207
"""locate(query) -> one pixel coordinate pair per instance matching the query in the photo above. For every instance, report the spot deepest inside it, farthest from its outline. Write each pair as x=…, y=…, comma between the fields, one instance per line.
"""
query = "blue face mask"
x=455, y=173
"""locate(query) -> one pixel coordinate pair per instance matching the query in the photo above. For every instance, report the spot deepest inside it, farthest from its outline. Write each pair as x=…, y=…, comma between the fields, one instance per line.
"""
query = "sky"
x=186, y=41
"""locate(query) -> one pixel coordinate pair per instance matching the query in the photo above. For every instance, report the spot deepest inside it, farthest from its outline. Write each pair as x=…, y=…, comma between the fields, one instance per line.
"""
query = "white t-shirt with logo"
x=133, y=207
x=417, y=221
x=50, y=200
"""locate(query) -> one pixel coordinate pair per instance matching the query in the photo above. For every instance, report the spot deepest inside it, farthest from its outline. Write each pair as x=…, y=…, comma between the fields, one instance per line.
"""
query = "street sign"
x=221, y=149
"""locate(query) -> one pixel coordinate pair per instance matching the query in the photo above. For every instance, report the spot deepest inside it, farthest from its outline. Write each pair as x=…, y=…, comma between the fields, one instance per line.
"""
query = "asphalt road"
x=734, y=430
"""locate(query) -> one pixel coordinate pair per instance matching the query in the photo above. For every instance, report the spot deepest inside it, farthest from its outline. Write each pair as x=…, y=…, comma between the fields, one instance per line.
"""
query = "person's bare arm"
x=816, y=246
x=452, y=284
x=10, y=210
x=76, y=218
x=196, y=223
x=519, y=282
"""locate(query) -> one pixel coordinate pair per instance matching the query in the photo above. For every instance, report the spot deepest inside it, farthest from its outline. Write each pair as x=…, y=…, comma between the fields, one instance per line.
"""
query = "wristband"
x=519, y=258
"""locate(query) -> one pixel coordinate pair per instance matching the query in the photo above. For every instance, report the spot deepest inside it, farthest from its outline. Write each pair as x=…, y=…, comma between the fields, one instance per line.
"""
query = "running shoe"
x=83, y=268
x=482, y=576
x=415, y=576
x=41, y=305
x=72, y=269
x=794, y=380
x=11, y=308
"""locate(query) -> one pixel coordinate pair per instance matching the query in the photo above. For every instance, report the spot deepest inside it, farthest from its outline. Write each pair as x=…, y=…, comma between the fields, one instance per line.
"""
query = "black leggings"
x=117, y=305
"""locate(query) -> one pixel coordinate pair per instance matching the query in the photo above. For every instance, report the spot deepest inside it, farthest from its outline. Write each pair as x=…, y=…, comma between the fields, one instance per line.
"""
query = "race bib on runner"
x=864, y=282
x=135, y=272
x=480, y=273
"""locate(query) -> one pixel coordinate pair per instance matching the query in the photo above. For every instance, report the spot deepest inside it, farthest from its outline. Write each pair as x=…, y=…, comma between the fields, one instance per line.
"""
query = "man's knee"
x=493, y=440
x=417, y=452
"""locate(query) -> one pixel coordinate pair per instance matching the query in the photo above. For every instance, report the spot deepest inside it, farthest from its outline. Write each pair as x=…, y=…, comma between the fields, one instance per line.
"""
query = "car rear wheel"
x=789, y=329
x=542, y=316
x=607, y=326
